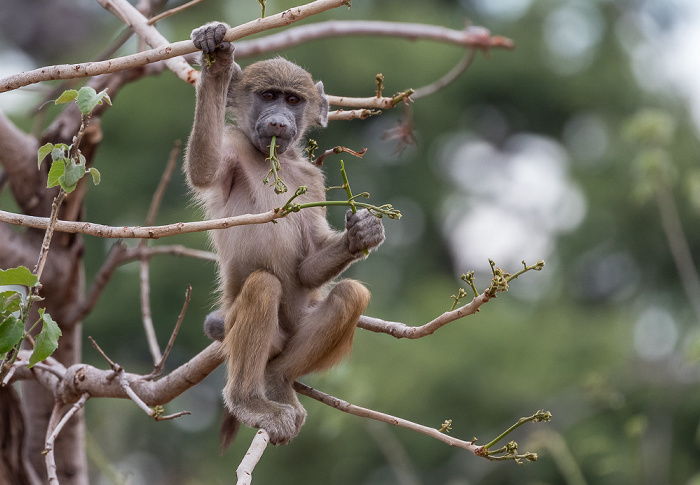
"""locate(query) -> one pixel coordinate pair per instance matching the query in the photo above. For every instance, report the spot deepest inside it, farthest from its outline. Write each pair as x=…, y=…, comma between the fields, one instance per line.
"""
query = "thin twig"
x=346, y=407
x=146, y=316
x=123, y=379
x=50, y=228
x=448, y=78
x=244, y=472
x=52, y=433
x=173, y=11
x=158, y=369
x=112, y=365
x=336, y=150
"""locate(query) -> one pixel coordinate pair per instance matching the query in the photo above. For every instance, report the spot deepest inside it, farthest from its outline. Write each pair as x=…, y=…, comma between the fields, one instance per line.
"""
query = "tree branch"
x=82, y=378
x=244, y=472
x=137, y=232
x=346, y=407
x=163, y=52
x=401, y=330
x=472, y=36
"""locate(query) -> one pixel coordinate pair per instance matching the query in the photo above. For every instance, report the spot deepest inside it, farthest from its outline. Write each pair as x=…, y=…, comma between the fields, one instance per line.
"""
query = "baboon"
x=284, y=317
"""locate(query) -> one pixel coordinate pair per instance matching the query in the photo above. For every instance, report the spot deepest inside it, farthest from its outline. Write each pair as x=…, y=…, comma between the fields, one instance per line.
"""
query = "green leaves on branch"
x=67, y=163
x=19, y=286
x=15, y=303
x=65, y=170
x=378, y=211
x=86, y=98
x=279, y=186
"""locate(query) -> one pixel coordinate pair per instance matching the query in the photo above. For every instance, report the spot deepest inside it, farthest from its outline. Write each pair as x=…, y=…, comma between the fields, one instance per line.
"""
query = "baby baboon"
x=282, y=317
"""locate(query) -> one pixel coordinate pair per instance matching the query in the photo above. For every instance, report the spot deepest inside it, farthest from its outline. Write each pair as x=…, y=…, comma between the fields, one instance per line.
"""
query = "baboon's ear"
x=323, y=106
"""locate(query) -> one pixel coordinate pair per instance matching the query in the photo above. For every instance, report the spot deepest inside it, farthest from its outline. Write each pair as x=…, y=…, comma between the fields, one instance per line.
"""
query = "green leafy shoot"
x=510, y=450
x=86, y=98
x=275, y=169
x=65, y=170
x=378, y=211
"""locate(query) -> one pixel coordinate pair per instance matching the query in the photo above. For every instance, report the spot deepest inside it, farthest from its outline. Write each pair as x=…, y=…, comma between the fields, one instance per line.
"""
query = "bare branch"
x=346, y=407
x=472, y=36
x=244, y=472
x=163, y=51
x=146, y=317
x=357, y=114
x=401, y=330
x=54, y=431
x=173, y=11
x=152, y=232
x=448, y=78
x=159, y=366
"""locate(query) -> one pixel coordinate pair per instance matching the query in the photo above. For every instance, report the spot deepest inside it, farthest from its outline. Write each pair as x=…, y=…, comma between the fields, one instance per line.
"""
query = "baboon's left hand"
x=364, y=230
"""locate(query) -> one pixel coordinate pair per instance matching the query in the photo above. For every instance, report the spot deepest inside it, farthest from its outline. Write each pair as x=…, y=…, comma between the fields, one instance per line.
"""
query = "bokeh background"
x=536, y=153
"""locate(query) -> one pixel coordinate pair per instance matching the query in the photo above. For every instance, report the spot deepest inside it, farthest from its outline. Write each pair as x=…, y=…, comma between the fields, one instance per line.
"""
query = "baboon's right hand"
x=209, y=37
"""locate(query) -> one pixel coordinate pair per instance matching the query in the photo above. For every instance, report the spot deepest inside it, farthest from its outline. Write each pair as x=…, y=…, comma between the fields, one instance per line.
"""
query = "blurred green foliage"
x=603, y=337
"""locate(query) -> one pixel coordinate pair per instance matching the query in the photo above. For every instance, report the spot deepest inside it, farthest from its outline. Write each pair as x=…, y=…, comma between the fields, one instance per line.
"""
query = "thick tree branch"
x=79, y=379
x=137, y=232
x=73, y=71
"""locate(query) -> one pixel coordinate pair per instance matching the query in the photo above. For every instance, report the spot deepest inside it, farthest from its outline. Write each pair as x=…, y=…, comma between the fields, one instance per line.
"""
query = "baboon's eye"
x=293, y=99
x=269, y=96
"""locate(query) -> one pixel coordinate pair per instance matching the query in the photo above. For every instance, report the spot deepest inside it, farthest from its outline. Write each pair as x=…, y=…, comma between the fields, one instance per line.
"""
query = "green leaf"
x=18, y=276
x=47, y=340
x=73, y=172
x=10, y=302
x=88, y=99
x=55, y=173
x=59, y=152
x=96, y=177
x=43, y=151
x=67, y=96
x=11, y=332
